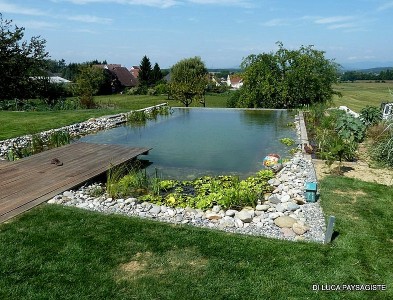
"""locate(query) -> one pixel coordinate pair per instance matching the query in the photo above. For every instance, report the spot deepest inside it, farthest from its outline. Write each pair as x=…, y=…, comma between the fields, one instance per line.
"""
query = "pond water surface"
x=198, y=141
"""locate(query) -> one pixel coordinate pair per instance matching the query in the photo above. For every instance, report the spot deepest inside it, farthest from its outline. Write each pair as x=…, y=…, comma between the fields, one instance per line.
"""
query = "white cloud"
x=334, y=19
x=387, y=5
x=242, y=3
x=39, y=25
x=342, y=25
x=167, y=3
x=275, y=22
x=152, y=3
x=89, y=19
x=365, y=57
x=346, y=23
x=16, y=9
x=85, y=31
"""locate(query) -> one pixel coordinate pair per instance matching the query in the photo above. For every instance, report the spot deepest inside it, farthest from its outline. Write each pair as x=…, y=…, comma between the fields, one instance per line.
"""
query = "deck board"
x=32, y=180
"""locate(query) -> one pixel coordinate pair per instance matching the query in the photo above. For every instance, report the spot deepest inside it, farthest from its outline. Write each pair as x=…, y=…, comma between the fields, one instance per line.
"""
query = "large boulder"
x=285, y=221
x=245, y=216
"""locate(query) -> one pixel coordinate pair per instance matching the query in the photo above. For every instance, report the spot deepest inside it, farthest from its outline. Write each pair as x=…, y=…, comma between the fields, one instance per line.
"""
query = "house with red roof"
x=234, y=81
x=121, y=77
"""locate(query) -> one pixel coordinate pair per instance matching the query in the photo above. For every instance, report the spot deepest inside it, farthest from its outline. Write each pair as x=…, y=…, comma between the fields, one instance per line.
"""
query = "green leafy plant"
x=350, y=128
x=202, y=193
x=370, y=115
x=287, y=141
x=97, y=191
x=338, y=149
x=137, y=118
x=59, y=138
x=38, y=143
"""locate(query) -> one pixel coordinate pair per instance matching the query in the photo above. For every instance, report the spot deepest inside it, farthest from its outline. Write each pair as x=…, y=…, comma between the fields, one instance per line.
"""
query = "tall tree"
x=287, y=78
x=22, y=63
x=145, y=73
x=189, y=78
x=156, y=74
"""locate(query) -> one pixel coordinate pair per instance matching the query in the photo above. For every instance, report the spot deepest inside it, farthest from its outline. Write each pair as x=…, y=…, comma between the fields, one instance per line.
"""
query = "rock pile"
x=284, y=214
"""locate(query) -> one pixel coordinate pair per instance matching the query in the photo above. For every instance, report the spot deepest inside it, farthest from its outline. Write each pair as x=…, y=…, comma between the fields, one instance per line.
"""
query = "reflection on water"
x=194, y=142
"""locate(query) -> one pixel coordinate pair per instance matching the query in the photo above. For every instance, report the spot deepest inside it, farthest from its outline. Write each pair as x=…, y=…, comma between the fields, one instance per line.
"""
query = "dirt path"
x=359, y=170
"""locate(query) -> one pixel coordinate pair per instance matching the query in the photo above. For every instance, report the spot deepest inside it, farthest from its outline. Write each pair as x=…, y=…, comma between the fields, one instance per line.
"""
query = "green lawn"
x=359, y=94
x=15, y=124
x=54, y=252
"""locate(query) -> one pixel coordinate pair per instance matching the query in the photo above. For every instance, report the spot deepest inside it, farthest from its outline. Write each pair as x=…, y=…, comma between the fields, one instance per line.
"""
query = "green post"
x=329, y=229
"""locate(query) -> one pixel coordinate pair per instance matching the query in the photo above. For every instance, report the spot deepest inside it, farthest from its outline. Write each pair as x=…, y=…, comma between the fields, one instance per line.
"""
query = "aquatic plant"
x=287, y=141
x=202, y=193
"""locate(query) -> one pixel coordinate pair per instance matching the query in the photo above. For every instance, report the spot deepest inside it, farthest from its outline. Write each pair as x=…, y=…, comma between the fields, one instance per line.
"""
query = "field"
x=359, y=94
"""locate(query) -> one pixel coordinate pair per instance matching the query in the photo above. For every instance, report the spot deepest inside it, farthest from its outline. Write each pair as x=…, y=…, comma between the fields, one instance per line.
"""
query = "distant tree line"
x=356, y=75
x=282, y=79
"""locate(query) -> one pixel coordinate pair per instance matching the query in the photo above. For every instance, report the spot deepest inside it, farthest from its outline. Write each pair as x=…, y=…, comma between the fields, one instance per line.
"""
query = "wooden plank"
x=42, y=164
x=25, y=183
x=38, y=182
x=33, y=180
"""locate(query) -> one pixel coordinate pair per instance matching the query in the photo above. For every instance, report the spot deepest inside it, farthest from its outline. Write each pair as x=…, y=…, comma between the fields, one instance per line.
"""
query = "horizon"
x=355, y=34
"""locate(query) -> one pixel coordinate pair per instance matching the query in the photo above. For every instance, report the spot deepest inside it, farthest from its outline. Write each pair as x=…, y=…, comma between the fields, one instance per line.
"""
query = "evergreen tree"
x=145, y=73
x=156, y=74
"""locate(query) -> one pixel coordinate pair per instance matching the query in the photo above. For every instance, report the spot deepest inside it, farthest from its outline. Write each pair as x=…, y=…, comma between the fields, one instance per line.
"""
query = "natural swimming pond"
x=192, y=142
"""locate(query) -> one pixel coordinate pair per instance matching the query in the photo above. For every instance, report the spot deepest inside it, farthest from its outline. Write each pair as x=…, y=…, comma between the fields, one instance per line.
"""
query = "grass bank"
x=56, y=252
x=15, y=124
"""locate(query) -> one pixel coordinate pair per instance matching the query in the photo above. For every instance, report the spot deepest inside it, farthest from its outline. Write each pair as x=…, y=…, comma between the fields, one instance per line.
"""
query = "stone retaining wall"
x=75, y=130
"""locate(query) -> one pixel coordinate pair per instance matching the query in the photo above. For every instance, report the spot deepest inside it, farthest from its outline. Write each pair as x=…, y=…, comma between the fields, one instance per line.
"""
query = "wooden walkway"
x=32, y=180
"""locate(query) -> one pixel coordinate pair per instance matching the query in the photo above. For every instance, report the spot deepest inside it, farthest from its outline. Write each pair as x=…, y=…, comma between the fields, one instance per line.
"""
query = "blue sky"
x=221, y=32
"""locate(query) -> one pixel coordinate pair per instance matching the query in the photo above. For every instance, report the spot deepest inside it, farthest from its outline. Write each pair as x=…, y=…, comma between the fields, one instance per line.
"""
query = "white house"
x=234, y=81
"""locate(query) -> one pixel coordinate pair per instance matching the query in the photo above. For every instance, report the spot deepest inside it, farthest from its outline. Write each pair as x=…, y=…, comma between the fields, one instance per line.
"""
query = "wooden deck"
x=30, y=181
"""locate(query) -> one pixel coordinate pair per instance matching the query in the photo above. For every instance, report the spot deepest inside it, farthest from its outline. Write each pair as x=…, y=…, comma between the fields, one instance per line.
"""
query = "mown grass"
x=355, y=95
x=359, y=94
x=55, y=252
x=15, y=124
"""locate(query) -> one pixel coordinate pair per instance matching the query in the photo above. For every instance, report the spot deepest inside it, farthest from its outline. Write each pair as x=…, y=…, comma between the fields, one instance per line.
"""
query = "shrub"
x=382, y=149
x=151, y=92
x=370, y=115
x=233, y=99
x=332, y=147
x=132, y=91
x=137, y=117
x=350, y=128
x=377, y=132
x=161, y=89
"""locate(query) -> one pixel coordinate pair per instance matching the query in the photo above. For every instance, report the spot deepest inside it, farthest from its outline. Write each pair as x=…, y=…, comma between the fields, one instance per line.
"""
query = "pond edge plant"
x=228, y=191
